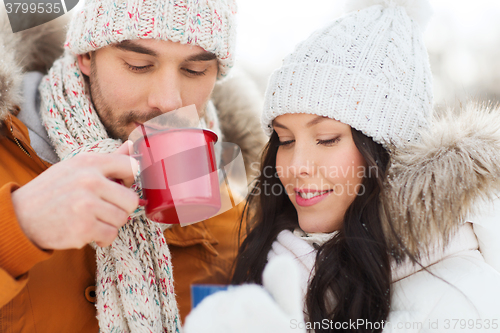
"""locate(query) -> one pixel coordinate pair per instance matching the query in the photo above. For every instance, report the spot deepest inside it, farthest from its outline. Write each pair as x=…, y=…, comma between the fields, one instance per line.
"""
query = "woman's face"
x=320, y=167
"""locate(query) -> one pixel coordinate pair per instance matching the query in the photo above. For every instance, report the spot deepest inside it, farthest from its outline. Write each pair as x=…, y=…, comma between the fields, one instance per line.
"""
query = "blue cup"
x=200, y=291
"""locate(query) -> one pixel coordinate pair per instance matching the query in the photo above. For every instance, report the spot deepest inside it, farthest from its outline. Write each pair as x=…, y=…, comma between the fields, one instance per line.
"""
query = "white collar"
x=314, y=239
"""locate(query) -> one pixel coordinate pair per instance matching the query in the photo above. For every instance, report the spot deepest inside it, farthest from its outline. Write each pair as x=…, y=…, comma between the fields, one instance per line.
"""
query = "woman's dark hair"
x=353, y=266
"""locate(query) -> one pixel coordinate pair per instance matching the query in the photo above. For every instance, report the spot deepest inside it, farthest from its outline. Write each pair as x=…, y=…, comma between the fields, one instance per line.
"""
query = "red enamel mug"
x=179, y=174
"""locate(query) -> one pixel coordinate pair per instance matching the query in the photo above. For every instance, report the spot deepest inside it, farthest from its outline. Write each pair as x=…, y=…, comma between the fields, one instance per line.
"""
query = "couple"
x=356, y=95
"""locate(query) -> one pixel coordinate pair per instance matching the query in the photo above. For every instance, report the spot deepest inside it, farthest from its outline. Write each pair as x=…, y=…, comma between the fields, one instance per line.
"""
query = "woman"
x=366, y=190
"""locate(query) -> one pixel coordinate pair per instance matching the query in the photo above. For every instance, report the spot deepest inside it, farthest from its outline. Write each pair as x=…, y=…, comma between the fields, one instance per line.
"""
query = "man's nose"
x=165, y=93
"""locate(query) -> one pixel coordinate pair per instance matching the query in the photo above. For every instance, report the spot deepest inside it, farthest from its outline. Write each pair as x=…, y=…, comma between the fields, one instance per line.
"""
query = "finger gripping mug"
x=179, y=175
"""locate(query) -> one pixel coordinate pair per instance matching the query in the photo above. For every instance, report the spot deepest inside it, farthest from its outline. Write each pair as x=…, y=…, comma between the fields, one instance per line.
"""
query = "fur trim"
x=29, y=50
x=10, y=73
x=239, y=104
x=433, y=185
x=10, y=83
x=37, y=48
x=418, y=10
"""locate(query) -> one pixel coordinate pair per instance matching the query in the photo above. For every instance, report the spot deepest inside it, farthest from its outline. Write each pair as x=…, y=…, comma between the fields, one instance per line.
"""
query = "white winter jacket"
x=432, y=186
x=457, y=292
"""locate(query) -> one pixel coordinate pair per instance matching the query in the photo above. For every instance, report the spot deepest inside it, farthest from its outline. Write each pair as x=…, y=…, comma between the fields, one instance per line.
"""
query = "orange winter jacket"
x=54, y=291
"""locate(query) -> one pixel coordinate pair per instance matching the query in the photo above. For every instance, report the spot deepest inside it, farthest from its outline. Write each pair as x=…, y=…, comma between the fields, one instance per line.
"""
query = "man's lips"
x=148, y=128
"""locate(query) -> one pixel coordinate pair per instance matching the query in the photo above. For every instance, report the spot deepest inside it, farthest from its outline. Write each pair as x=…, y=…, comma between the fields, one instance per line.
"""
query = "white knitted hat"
x=369, y=69
x=208, y=24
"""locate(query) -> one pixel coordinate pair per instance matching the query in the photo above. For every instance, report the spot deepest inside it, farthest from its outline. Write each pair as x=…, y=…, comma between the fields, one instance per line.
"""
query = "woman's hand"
x=274, y=308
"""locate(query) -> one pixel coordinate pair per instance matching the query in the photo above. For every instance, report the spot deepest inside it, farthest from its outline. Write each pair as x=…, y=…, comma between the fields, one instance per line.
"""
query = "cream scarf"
x=135, y=291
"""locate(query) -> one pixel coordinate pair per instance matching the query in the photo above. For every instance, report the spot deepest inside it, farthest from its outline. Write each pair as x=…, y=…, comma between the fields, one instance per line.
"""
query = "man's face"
x=134, y=81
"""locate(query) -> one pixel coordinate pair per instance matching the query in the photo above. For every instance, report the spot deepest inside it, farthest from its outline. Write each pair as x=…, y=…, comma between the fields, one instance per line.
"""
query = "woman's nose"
x=302, y=163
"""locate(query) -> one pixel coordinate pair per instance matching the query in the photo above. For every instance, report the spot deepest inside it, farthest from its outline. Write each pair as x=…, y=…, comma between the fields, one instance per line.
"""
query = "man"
x=125, y=63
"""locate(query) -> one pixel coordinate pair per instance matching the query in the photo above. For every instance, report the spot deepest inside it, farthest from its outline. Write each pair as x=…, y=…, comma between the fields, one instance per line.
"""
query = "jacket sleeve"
x=17, y=254
x=487, y=229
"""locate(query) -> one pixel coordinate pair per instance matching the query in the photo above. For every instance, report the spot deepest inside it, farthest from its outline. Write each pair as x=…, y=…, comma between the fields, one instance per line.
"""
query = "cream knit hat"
x=208, y=24
x=369, y=69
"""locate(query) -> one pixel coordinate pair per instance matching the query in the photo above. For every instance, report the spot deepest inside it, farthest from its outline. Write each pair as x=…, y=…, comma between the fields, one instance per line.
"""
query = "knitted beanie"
x=369, y=69
x=208, y=24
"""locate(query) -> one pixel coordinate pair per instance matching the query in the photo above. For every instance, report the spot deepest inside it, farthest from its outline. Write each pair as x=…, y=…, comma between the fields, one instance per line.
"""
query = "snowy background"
x=463, y=40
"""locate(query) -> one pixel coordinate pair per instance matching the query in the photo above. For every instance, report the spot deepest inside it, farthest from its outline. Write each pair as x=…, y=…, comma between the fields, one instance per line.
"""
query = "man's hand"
x=76, y=201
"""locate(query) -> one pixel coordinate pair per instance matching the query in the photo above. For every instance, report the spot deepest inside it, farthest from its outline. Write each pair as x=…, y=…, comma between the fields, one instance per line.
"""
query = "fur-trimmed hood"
x=10, y=83
x=30, y=50
x=236, y=98
x=432, y=186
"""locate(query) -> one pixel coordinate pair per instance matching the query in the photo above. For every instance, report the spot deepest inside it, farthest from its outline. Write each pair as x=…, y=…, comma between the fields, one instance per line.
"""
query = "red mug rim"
x=187, y=129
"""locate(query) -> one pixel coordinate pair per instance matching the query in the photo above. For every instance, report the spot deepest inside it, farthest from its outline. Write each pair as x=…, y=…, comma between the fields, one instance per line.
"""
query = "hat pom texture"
x=418, y=10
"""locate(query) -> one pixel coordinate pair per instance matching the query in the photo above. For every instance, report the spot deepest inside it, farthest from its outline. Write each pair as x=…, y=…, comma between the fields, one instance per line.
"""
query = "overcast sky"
x=268, y=30
x=465, y=34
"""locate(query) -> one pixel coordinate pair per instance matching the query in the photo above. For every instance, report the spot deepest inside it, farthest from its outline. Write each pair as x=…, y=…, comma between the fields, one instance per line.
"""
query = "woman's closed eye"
x=329, y=142
x=286, y=143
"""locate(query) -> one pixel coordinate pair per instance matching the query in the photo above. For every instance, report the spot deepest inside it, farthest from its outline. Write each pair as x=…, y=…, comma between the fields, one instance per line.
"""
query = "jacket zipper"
x=19, y=144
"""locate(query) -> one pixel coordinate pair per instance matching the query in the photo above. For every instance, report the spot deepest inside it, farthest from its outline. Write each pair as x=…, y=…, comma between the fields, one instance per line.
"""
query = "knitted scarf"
x=135, y=291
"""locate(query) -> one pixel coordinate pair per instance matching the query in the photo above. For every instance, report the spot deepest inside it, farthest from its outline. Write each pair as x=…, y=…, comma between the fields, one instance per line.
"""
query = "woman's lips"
x=310, y=201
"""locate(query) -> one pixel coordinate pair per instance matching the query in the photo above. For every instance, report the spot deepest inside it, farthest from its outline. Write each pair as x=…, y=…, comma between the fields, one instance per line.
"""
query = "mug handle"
x=142, y=202
x=137, y=156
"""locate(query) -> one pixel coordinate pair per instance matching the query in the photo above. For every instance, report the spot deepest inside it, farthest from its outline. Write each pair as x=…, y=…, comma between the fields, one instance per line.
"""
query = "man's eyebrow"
x=130, y=46
x=202, y=56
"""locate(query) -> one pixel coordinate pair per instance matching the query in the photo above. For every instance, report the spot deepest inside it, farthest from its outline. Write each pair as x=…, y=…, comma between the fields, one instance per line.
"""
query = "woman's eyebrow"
x=276, y=124
x=316, y=120
x=313, y=122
